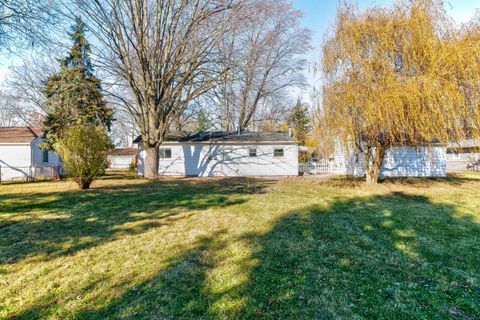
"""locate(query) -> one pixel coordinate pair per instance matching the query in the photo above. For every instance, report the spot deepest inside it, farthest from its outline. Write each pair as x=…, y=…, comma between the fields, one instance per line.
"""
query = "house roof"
x=470, y=143
x=124, y=152
x=19, y=134
x=226, y=137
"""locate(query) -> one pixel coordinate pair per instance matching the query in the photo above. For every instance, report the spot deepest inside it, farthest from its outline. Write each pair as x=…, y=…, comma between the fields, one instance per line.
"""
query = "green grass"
x=294, y=248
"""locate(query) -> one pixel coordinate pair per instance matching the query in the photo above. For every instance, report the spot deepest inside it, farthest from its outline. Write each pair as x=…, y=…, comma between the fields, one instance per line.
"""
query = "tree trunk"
x=85, y=184
x=373, y=169
x=151, y=163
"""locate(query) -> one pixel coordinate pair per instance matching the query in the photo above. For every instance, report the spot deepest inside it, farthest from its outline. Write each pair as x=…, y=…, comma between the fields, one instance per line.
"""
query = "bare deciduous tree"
x=263, y=54
x=25, y=84
x=25, y=21
x=8, y=114
x=163, y=50
x=124, y=129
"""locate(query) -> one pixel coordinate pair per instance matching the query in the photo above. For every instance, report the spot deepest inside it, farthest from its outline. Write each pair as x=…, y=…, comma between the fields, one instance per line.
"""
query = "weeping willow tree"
x=400, y=75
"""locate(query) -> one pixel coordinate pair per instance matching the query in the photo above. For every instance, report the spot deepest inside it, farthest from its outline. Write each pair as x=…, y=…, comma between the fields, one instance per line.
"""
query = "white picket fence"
x=321, y=167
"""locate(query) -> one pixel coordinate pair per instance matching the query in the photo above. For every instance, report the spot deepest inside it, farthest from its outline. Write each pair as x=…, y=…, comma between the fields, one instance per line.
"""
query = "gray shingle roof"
x=226, y=137
x=470, y=143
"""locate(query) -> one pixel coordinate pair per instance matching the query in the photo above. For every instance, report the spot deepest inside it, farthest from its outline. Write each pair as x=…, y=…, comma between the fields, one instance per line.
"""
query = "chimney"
x=289, y=132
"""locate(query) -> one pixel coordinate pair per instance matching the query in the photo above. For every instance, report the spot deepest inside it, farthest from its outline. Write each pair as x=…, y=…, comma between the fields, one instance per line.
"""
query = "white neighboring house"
x=399, y=161
x=463, y=156
x=122, y=158
x=22, y=159
x=219, y=153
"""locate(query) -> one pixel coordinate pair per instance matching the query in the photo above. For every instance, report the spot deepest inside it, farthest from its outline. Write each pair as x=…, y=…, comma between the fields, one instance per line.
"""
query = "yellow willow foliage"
x=401, y=75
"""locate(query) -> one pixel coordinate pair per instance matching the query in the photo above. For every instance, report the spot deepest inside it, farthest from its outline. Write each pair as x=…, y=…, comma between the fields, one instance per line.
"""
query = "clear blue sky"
x=319, y=15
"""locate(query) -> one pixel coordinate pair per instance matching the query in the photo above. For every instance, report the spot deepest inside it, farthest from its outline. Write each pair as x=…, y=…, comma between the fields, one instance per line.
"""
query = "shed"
x=122, y=158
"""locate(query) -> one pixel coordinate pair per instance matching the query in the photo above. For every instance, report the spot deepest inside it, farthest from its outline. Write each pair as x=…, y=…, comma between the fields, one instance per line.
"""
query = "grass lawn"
x=294, y=248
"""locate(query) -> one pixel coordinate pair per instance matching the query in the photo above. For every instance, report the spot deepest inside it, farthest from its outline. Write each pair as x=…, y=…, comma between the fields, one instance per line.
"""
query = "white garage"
x=122, y=158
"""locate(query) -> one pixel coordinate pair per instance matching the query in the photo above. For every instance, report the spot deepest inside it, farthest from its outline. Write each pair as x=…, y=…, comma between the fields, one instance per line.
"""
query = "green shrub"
x=133, y=165
x=84, y=152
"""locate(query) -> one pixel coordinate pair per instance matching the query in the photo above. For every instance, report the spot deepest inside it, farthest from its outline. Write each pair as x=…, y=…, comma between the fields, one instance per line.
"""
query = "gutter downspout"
x=31, y=158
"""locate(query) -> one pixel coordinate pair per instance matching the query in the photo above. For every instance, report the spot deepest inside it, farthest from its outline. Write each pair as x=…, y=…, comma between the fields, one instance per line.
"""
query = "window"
x=45, y=156
x=456, y=154
x=226, y=155
x=252, y=152
x=278, y=152
x=165, y=153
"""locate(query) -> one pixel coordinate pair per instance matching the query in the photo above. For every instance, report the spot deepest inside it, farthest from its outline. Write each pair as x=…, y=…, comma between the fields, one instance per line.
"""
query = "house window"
x=456, y=154
x=278, y=152
x=165, y=153
x=226, y=155
x=45, y=156
x=252, y=152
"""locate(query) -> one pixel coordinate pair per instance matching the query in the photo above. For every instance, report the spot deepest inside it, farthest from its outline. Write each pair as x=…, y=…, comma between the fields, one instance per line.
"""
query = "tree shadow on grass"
x=62, y=223
x=393, y=256
x=451, y=180
x=173, y=293
x=389, y=256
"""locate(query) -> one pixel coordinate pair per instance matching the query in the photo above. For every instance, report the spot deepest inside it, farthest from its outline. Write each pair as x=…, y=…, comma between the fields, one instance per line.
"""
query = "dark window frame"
x=226, y=154
x=276, y=152
x=252, y=154
x=456, y=154
x=165, y=153
x=45, y=156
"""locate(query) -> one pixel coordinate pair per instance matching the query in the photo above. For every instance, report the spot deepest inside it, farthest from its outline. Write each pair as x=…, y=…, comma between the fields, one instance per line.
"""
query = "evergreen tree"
x=202, y=121
x=74, y=93
x=299, y=120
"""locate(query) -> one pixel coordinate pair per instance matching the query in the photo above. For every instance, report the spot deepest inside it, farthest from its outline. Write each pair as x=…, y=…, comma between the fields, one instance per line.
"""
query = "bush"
x=133, y=165
x=84, y=152
x=108, y=163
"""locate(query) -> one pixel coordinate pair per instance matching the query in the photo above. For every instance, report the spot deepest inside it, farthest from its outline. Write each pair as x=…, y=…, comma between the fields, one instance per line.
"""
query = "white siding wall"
x=15, y=161
x=398, y=162
x=459, y=162
x=348, y=162
x=49, y=169
x=120, y=162
x=226, y=160
x=22, y=161
x=37, y=156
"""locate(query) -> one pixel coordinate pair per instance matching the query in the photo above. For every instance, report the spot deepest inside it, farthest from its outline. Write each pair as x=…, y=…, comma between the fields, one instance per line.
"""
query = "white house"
x=122, y=158
x=226, y=154
x=463, y=156
x=399, y=161
x=21, y=158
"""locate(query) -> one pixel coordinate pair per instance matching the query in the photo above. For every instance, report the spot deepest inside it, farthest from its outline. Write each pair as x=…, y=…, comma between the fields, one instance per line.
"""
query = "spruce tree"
x=299, y=120
x=202, y=121
x=74, y=93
